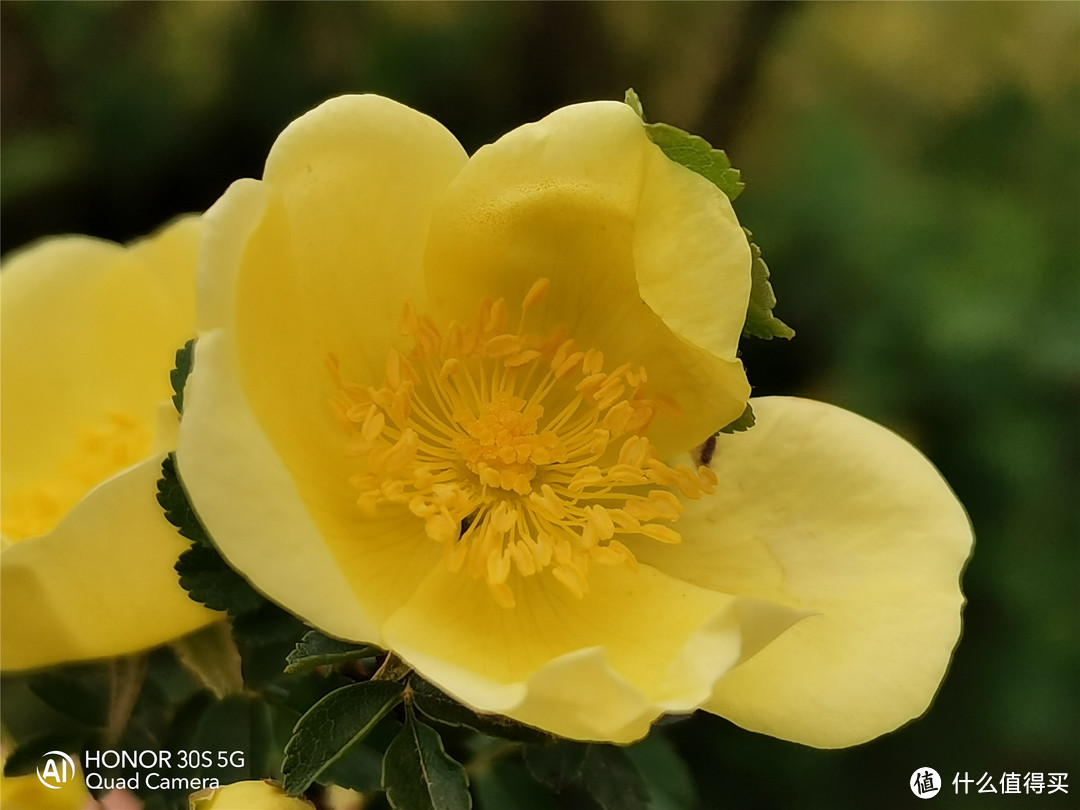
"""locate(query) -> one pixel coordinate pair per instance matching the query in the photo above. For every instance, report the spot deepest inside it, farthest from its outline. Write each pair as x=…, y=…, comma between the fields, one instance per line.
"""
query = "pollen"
x=104, y=449
x=522, y=455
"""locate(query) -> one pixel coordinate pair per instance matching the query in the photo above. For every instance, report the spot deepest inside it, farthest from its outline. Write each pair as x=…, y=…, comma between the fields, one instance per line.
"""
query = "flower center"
x=103, y=450
x=520, y=453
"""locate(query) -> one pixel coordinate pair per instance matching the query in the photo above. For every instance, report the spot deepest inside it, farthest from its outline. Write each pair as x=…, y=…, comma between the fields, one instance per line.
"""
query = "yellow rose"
x=248, y=796
x=446, y=405
x=88, y=334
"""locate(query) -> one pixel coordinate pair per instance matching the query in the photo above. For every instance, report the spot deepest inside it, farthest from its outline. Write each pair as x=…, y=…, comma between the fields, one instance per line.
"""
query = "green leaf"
x=359, y=769
x=69, y=696
x=268, y=624
x=174, y=500
x=744, y=422
x=691, y=151
x=760, y=321
x=698, y=155
x=178, y=376
x=209, y=580
x=317, y=650
x=326, y=731
x=441, y=707
x=558, y=766
x=418, y=775
x=612, y=780
x=668, y=777
x=211, y=655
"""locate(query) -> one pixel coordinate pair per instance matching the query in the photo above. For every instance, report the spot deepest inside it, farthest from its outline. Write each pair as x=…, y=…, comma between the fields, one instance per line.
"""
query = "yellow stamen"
x=520, y=453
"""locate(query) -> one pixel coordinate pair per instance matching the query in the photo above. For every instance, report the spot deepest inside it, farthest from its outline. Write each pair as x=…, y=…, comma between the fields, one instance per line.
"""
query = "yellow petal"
x=248, y=796
x=821, y=510
x=646, y=259
x=602, y=667
x=316, y=260
x=88, y=329
x=89, y=334
x=29, y=793
x=100, y=584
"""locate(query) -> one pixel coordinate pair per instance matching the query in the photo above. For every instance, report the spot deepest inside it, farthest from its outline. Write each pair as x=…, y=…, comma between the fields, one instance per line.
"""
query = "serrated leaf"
x=418, y=774
x=174, y=500
x=668, y=777
x=558, y=766
x=69, y=696
x=441, y=707
x=698, y=155
x=27, y=756
x=178, y=376
x=612, y=780
x=760, y=321
x=691, y=151
x=209, y=580
x=326, y=731
x=317, y=650
x=744, y=422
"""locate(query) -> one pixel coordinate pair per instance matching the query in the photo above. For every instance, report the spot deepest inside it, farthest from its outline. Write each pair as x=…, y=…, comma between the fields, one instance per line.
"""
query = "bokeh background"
x=913, y=177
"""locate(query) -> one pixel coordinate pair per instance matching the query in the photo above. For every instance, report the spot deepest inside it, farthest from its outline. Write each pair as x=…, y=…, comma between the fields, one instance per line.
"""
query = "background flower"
x=89, y=330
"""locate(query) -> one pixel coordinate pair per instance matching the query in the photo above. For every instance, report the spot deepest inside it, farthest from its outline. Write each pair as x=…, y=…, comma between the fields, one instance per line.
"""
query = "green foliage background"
x=913, y=176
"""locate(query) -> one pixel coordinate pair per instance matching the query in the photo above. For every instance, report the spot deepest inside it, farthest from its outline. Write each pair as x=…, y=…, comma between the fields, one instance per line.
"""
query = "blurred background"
x=913, y=178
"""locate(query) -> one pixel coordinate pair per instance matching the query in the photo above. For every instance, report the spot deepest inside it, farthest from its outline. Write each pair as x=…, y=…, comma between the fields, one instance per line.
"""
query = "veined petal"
x=821, y=510
x=646, y=260
x=602, y=667
x=101, y=583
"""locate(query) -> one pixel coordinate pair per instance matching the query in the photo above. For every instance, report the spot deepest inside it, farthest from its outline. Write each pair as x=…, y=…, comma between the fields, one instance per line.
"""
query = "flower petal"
x=101, y=583
x=646, y=259
x=259, y=449
x=358, y=177
x=824, y=511
x=599, y=668
x=71, y=308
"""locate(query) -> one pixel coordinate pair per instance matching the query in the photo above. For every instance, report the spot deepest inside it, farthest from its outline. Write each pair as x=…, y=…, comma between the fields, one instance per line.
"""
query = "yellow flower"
x=446, y=405
x=88, y=333
x=248, y=796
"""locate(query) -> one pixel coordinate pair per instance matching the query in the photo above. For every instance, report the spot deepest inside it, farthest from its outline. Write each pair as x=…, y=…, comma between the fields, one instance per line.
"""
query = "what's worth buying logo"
x=58, y=769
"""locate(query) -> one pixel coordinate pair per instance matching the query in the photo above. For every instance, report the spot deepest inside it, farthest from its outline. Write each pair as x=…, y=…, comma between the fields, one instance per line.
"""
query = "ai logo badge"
x=58, y=769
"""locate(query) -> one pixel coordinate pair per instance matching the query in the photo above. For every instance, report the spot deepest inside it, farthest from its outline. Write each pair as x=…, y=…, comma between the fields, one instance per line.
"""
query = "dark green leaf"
x=506, y=783
x=174, y=500
x=744, y=422
x=558, y=766
x=317, y=650
x=359, y=769
x=209, y=580
x=178, y=376
x=266, y=625
x=418, y=775
x=612, y=780
x=441, y=707
x=69, y=696
x=760, y=321
x=670, y=783
x=326, y=731
x=28, y=756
